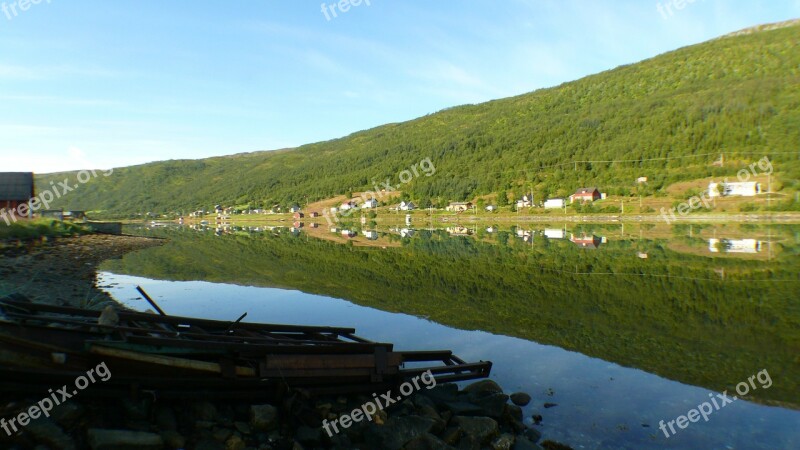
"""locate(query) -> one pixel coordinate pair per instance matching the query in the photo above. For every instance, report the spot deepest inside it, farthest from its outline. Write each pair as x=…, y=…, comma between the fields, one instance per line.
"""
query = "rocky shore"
x=478, y=417
x=62, y=271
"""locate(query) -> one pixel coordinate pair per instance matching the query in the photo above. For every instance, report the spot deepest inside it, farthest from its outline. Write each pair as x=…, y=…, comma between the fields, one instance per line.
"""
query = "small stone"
x=550, y=405
x=263, y=417
x=520, y=399
x=537, y=418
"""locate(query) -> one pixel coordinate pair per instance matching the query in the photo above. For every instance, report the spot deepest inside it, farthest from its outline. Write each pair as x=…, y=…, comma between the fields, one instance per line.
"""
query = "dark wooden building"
x=16, y=188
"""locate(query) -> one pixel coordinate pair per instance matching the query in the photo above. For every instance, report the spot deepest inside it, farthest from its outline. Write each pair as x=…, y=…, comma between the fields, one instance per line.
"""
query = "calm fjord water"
x=620, y=330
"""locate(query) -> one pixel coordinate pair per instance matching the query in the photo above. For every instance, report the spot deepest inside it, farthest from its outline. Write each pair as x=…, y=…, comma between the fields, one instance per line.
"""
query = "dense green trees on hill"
x=667, y=118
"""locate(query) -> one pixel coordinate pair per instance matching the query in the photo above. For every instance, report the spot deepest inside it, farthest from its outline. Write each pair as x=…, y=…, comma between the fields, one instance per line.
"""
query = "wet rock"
x=464, y=409
x=123, y=440
x=504, y=442
x=443, y=393
x=520, y=398
x=532, y=434
x=481, y=428
x=537, y=418
x=512, y=413
x=263, y=417
x=493, y=405
x=550, y=405
x=483, y=387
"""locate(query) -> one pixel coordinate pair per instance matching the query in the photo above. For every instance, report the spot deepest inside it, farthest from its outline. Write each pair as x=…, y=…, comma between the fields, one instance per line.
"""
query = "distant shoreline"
x=762, y=218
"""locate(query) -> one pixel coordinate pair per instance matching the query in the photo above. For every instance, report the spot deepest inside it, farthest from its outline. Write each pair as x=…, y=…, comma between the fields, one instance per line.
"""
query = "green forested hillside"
x=666, y=118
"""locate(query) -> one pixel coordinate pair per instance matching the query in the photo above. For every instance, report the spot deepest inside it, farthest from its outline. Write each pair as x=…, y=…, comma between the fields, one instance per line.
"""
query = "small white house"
x=407, y=206
x=525, y=202
x=743, y=189
x=641, y=180
x=371, y=235
x=371, y=203
x=554, y=203
x=491, y=208
x=347, y=206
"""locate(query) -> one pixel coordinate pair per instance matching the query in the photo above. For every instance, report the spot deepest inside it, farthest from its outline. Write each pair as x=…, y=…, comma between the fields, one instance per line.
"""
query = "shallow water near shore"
x=616, y=355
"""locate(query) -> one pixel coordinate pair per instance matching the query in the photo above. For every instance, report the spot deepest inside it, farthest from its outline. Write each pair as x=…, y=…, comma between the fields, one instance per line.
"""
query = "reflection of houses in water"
x=585, y=241
x=459, y=231
x=734, y=245
x=371, y=235
x=642, y=255
x=526, y=235
x=408, y=219
x=348, y=233
x=490, y=229
x=407, y=232
x=555, y=233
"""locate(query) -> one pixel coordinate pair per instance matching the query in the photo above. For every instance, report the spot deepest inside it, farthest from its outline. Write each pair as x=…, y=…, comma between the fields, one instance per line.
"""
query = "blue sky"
x=112, y=83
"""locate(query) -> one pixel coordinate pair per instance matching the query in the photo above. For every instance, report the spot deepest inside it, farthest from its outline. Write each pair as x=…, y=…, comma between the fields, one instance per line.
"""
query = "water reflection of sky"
x=600, y=404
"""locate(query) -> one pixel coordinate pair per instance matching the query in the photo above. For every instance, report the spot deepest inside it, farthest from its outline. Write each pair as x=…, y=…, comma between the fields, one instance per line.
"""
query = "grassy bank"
x=37, y=228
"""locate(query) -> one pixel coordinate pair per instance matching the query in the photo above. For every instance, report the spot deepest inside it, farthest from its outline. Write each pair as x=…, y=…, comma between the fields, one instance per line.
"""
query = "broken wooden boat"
x=45, y=346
